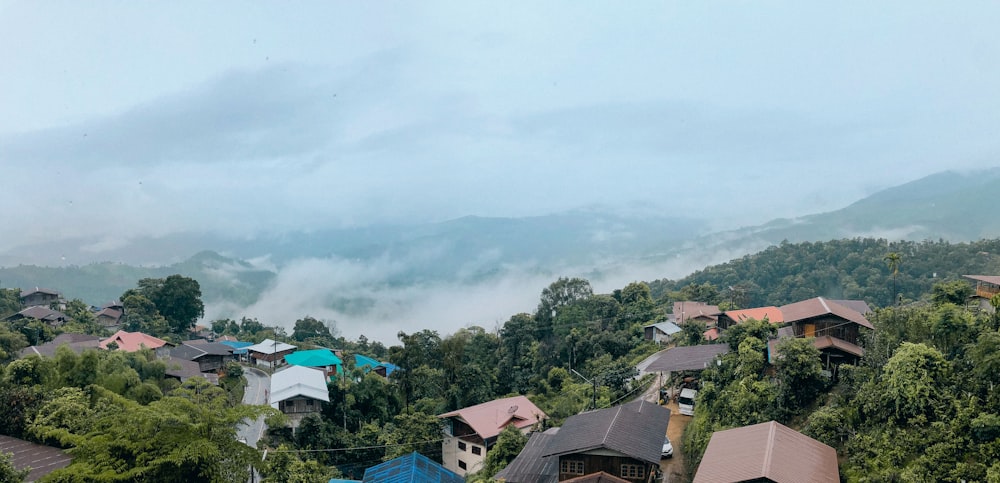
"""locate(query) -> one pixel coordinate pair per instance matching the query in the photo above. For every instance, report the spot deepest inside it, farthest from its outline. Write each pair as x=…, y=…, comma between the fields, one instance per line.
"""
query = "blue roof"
x=389, y=368
x=313, y=358
x=239, y=347
x=362, y=361
x=412, y=468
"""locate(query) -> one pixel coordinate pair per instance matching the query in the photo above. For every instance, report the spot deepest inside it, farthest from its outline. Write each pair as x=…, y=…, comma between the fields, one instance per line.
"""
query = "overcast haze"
x=121, y=120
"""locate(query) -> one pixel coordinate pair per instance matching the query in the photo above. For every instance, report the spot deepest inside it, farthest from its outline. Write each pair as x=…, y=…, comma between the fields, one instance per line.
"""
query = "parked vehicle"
x=686, y=401
x=668, y=449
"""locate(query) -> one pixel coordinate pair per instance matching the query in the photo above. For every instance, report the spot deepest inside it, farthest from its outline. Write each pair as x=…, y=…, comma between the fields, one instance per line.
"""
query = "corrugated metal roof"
x=767, y=450
x=489, y=418
x=687, y=358
x=133, y=341
x=270, y=346
x=298, y=381
x=412, y=468
x=530, y=466
x=993, y=279
x=313, y=358
x=635, y=429
x=41, y=459
x=771, y=314
x=599, y=477
x=819, y=306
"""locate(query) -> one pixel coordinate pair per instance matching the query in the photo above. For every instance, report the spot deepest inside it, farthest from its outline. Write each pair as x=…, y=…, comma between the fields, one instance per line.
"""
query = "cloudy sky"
x=245, y=118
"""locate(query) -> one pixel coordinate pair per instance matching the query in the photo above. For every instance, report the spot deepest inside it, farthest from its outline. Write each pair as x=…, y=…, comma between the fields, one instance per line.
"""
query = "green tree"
x=913, y=383
x=509, y=444
x=309, y=328
x=893, y=260
x=692, y=332
x=407, y=433
x=7, y=470
x=800, y=373
x=954, y=292
x=10, y=302
x=177, y=298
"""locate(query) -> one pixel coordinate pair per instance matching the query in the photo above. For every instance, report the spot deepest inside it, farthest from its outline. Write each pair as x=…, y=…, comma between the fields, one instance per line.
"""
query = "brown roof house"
x=54, y=318
x=767, y=452
x=211, y=357
x=836, y=328
x=987, y=287
x=619, y=443
x=698, y=311
x=469, y=432
x=136, y=341
x=41, y=297
x=76, y=342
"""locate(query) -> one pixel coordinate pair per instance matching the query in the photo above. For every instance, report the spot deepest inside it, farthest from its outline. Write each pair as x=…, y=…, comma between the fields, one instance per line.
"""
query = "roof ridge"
x=614, y=421
x=769, y=448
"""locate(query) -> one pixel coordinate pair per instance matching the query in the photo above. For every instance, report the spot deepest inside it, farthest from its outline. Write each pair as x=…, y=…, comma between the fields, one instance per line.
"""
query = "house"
x=771, y=314
x=109, y=317
x=183, y=369
x=52, y=317
x=766, y=452
x=623, y=442
x=687, y=358
x=77, y=342
x=835, y=327
x=662, y=332
x=469, y=432
x=41, y=297
x=135, y=341
x=298, y=391
x=321, y=359
x=270, y=352
x=696, y=311
x=210, y=356
x=413, y=467
x=987, y=287
x=383, y=369
x=239, y=348
x=41, y=460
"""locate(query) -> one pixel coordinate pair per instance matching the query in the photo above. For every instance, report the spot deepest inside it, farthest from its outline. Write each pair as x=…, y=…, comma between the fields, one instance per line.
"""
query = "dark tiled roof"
x=195, y=351
x=635, y=429
x=182, y=368
x=818, y=307
x=687, y=358
x=530, y=466
x=40, y=313
x=992, y=279
x=412, y=468
x=41, y=459
x=768, y=451
x=77, y=342
x=47, y=291
x=858, y=305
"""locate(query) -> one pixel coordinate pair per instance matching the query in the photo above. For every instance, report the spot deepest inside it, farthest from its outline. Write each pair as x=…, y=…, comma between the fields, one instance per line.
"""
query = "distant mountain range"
x=952, y=206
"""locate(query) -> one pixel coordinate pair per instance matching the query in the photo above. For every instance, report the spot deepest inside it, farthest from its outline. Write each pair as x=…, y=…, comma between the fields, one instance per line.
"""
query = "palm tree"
x=892, y=260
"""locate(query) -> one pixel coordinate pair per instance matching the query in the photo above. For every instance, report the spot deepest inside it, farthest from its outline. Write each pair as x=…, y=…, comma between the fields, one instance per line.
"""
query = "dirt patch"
x=673, y=468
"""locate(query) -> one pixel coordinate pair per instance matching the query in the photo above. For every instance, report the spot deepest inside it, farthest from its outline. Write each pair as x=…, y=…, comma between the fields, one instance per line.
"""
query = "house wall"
x=211, y=363
x=39, y=298
x=612, y=465
x=298, y=408
x=457, y=452
x=829, y=325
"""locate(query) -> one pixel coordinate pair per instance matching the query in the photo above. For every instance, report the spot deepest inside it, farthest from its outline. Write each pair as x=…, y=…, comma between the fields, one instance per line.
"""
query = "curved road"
x=255, y=394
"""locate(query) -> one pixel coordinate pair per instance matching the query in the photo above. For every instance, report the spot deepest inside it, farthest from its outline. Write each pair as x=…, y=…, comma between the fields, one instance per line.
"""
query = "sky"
x=243, y=119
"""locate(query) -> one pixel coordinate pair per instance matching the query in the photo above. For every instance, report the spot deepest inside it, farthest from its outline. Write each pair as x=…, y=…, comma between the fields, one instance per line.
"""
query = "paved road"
x=652, y=394
x=257, y=386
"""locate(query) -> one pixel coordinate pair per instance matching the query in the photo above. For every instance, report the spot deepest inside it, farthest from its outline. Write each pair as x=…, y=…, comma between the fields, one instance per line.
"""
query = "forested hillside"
x=838, y=269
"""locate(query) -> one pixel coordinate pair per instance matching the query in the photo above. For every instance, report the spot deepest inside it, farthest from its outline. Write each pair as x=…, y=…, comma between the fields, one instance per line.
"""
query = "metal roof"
x=530, y=466
x=818, y=307
x=635, y=430
x=769, y=451
x=195, y=351
x=992, y=279
x=412, y=468
x=313, y=358
x=489, y=418
x=270, y=346
x=687, y=358
x=298, y=381
x=41, y=459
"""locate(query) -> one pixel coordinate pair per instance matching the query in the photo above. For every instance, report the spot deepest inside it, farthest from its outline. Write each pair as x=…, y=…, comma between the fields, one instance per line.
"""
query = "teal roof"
x=313, y=358
x=362, y=361
x=412, y=468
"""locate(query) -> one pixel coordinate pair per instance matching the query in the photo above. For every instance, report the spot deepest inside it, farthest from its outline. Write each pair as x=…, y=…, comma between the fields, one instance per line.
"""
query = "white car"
x=668, y=449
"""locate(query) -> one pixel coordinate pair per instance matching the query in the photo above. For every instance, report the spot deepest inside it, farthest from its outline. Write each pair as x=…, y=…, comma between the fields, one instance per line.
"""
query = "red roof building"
x=470, y=431
x=767, y=452
x=134, y=341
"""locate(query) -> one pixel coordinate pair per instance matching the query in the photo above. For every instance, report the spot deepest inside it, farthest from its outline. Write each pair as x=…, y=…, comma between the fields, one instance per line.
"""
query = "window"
x=572, y=467
x=461, y=464
x=309, y=402
x=461, y=446
x=633, y=471
x=477, y=450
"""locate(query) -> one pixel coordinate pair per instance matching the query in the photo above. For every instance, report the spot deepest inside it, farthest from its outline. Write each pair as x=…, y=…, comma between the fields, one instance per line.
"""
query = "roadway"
x=255, y=394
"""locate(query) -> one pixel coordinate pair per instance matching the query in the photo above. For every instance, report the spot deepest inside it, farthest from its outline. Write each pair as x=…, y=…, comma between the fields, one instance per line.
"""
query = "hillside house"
x=136, y=341
x=210, y=356
x=662, y=332
x=730, y=318
x=623, y=442
x=42, y=297
x=182, y=370
x=695, y=311
x=76, y=342
x=298, y=391
x=836, y=328
x=53, y=318
x=269, y=353
x=108, y=317
x=766, y=452
x=469, y=432
x=987, y=287
x=321, y=359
